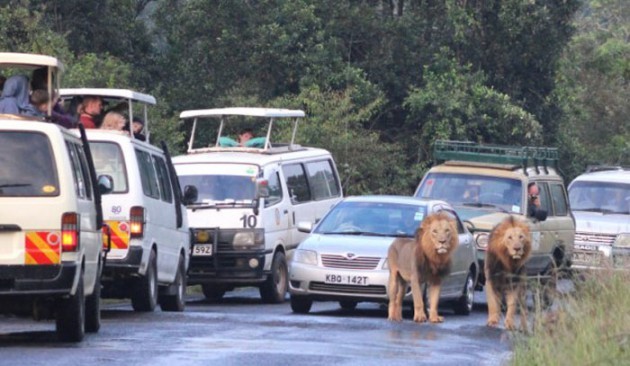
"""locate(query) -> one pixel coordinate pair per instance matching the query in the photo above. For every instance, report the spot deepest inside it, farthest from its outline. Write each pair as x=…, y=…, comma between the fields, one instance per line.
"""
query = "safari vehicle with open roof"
x=51, y=255
x=250, y=199
x=150, y=240
x=485, y=183
x=600, y=201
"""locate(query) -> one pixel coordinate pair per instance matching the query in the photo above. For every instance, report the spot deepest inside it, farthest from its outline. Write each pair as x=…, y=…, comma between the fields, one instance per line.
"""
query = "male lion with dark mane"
x=509, y=247
x=426, y=258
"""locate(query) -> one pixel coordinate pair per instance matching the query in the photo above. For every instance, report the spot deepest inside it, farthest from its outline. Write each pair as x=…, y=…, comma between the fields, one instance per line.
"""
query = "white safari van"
x=249, y=201
x=150, y=240
x=50, y=217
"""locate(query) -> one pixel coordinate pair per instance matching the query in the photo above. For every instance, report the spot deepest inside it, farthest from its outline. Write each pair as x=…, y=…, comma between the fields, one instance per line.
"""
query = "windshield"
x=27, y=165
x=472, y=190
x=371, y=218
x=600, y=197
x=108, y=160
x=213, y=188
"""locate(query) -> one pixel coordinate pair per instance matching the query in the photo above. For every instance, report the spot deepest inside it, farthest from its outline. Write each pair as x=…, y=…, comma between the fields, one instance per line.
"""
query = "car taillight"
x=136, y=222
x=70, y=232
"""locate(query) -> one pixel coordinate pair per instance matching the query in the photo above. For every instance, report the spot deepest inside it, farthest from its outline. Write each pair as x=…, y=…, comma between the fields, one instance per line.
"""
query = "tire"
x=176, y=302
x=301, y=304
x=464, y=305
x=145, y=289
x=213, y=293
x=93, y=307
x=70, y=318
x=348, y=305
x=274, y=290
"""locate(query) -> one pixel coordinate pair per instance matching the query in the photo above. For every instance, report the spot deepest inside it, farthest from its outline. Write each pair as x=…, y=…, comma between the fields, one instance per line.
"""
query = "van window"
x=545, y=201
x=166, y=194
x=109, y=160
x=147, y=175
x=85, y=169
x=296, y=183
x=275, y=190
x=322, y=179
x=27, y=165
x=559, y=199
x=81, y=184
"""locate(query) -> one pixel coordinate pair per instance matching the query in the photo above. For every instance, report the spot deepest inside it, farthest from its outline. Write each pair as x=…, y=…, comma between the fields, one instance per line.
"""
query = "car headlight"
x=248, y=238
x=622, y=240
x=305, y=256
x=481, y=240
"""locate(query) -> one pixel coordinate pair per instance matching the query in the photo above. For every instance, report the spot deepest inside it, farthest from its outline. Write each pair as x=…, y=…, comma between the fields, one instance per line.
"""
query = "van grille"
x=595, y=238
x=339, y=261
x=348, y=289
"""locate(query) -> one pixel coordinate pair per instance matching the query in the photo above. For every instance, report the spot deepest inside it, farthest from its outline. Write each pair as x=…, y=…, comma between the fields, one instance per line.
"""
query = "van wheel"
x=93, y=307
x=274, y=290
x=213, y=293
x=176, y=302
x=464, y=305
x=70, y=319
x=301, y=304
x=145, y=291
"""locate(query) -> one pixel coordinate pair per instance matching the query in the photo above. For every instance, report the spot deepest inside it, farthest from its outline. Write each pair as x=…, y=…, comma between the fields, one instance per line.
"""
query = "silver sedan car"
x=345, y=257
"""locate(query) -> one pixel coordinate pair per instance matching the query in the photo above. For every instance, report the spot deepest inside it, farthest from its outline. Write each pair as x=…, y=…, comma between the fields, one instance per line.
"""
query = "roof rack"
x=522, y=156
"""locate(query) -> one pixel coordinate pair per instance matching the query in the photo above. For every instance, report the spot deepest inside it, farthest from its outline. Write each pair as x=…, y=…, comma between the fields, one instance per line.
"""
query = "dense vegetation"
x=379, y=79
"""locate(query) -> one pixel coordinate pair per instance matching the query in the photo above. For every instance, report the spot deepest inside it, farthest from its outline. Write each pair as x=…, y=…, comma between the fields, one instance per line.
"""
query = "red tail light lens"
x=136, y=222
x=70, y=232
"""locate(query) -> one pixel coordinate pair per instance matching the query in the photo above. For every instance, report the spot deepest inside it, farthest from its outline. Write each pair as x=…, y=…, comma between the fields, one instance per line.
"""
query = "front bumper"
x=37, y=279
x=600, y=257
x=309, y=280
x=228, y=267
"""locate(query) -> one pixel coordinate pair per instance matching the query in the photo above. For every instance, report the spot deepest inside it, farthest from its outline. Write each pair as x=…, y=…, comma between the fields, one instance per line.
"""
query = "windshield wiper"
x=12, y=185
x=483, y=204
x=365, y=233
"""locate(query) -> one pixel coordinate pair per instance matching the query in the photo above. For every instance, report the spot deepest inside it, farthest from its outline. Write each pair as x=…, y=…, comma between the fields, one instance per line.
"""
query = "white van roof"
x=246, y=157
x=111, y=93
x=28, y=60
x=243, y=111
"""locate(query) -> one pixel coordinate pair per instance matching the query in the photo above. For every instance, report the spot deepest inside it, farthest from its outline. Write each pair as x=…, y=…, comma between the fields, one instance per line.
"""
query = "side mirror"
x=190, y=195
x=262, y=188
x=105, y=183
x=305, y=227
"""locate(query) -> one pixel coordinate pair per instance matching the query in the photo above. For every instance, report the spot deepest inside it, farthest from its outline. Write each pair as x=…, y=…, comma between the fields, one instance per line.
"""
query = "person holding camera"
x=533, y=204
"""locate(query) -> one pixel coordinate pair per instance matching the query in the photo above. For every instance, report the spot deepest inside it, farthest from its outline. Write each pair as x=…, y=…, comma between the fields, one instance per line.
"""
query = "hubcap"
x=470, y=293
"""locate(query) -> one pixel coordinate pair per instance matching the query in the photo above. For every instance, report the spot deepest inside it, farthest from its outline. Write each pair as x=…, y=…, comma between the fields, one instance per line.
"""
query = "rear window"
x=27, y=167
x=108, y=160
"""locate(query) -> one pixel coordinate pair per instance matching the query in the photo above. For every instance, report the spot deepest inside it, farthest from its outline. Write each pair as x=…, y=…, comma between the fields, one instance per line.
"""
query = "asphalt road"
x=242, y=331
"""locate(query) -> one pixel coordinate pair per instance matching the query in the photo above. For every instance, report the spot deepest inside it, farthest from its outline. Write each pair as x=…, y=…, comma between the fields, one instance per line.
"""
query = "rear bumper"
x=37, y=279
x=129, y=264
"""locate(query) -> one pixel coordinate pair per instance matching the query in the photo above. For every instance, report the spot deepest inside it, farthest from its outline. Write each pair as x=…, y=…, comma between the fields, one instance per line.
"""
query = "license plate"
x=202, y=250
x=586, y=257
x=347, y=280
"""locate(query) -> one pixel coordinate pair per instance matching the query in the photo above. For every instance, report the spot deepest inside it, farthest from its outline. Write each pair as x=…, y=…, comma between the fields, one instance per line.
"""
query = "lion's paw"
x=509, y=324
x=420, y=318
x=395, y=318
x=436, y=319
x=493, y=323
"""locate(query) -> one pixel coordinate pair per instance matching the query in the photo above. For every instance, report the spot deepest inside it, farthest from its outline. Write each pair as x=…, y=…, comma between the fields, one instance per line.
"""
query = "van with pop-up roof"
x=249, y=199
x=51, y=256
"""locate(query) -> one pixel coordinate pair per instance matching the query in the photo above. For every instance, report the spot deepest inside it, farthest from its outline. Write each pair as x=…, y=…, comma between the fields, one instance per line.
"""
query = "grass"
x=588, y=326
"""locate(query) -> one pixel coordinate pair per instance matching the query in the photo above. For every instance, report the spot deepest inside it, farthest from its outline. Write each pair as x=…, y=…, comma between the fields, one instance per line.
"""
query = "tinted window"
x=165, y=184
x=545, y=201
x=81, y=184
x=473, y=190
x=275, y=190
x=296, y=183
x=221, y=187
x=371, y=218
x=27, y=165
x=559, y=199
x=109, y=160
x=86, y=170
x=147, y=175
x=322, y=180
x=600, y=197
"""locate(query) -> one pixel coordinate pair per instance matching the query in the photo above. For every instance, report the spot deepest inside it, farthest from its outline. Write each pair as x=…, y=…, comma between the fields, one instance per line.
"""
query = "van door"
x=324, y=184
x=543, y=237
x=276, y=213
x=563, y=223
x=299, y=194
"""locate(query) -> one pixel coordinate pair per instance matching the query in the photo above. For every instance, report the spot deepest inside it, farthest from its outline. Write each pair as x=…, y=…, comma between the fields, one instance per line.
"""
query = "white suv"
x=600, y=201
x=51, y=256
x=249, y=201
x=150, y=239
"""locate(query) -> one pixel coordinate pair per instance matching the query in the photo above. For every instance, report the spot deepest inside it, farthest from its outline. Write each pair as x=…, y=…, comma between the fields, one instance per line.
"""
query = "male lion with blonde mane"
x=509, y=247
x=426, y=258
